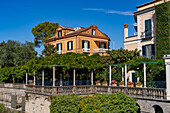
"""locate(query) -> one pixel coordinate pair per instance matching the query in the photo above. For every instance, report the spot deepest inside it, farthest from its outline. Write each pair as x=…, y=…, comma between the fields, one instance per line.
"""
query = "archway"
x=158, y=109
x=139, y=110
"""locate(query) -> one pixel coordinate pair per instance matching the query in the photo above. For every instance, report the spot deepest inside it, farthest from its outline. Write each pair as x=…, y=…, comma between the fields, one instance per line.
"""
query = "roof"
x=76, y=32
x=148, y=3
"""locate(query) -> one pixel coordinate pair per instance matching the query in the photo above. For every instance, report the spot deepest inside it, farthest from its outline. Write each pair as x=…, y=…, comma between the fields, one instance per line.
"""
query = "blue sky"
x=18, y=17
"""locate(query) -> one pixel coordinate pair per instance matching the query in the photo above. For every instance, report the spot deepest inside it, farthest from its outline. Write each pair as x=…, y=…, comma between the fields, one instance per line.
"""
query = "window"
x=59, y=46
x=60, y=33
x=70, y=45
x=102, y=45
x=148, y=51
x=148, y=28
x=85, y=44
x=93, y=31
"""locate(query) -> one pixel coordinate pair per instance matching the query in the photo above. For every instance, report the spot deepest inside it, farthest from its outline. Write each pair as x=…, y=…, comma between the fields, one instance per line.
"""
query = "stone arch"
x=139, y=110
x=157, y=109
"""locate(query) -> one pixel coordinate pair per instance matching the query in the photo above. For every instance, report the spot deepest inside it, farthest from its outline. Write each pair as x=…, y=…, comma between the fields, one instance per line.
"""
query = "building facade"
x=145, y=26
x=88, y=40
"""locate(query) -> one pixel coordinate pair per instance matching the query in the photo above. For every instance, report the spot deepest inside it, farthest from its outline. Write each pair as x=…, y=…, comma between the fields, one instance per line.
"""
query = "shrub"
x=122, y=83
x=104, y=82
x=130, y=83
x=113, y=82
x=2, y=108
x=98, y=103
x=98, y=81
x=138, y=83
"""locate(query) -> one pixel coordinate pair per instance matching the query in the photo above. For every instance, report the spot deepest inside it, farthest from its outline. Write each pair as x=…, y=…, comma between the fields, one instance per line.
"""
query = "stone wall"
x=147, y=105
x=6, y=92
x=37, y=103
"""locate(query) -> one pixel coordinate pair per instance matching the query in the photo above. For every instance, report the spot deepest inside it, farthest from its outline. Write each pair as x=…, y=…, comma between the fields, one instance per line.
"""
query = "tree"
x=49, y=50
x=44, y=31
x=14, y=53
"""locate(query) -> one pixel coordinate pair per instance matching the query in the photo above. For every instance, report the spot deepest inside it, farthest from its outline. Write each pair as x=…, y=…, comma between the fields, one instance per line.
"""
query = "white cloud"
x=110, y=11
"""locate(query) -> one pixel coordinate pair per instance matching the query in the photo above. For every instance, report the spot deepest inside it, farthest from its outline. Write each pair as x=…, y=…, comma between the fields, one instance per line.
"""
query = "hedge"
x=98, y=103
x=162, y=29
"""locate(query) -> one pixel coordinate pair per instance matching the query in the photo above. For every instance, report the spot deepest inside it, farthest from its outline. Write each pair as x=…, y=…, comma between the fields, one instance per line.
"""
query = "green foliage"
x=64, y=104
x=44, y=31
x=2, y=108
x=49, y=50
x=162, y=28
x=14, y=53
x=105, y=103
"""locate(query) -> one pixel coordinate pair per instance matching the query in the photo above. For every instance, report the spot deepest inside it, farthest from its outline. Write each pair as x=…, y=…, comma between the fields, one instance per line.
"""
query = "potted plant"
x=31, y=82
x=139, y=84
x=104, y=83
x=122, y=84
x=98, y=83
x=114, y=83
x=130, y=84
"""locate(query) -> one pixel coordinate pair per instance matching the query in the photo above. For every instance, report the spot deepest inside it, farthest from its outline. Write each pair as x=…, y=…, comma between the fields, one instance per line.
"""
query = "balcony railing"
x=86, y=50
x=59, y=52
x=149, y=56
x=146, y=34
x=100, y=50
x=151, y=93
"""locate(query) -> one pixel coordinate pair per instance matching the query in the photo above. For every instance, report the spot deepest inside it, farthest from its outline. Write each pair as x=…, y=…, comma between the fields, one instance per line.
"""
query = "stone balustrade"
x=152, y=93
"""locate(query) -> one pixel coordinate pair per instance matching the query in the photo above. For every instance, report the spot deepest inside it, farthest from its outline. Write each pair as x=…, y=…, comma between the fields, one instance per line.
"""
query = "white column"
x=125, y=75
x=26, y=77
x=92, y=77
x=110, y=74
x=74, y=77
x=167, y=63
x=34, y=77
x=53, y=76
x=144, y=75
x=43, y=77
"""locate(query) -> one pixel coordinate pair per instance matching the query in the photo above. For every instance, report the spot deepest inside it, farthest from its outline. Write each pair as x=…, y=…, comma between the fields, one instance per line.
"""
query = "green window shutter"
x=105, y=45
x=148, y=28
x=153, y=49
x=144, y=50
x=82, y=43
x=99, y=45
x=88, y=44
x=71, y=45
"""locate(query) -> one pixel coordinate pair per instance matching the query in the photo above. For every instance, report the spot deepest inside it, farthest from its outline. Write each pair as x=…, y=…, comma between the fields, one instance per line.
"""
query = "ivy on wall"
x=162, y=28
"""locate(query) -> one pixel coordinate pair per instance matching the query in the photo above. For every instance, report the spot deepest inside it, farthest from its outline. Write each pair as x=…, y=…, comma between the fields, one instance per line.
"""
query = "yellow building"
x=145, y=26
x=88, y=40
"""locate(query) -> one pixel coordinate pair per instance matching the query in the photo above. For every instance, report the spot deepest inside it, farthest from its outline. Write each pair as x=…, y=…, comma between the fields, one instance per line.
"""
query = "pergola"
x=126, y=64
x=110, y=66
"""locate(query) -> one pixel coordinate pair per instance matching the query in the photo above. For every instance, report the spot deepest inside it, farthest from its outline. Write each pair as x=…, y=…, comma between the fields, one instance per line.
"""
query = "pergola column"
x=34, y=77
x=26, y=77
x=74, y=77
x=125, y=75
x=144, y=75
x=43, y=77
x=92, y=77
x=110, y=74
x=53, y=76
x=122, y=74
x=167, y=63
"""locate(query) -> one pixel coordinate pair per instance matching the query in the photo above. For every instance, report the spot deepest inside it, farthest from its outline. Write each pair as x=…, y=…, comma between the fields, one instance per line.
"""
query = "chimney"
x=125, y=30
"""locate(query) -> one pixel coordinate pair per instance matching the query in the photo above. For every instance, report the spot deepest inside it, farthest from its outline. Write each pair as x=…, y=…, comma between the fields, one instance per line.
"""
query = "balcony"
x=100, y=50
x=86, y=50
x=59, y=52
x=147, y=34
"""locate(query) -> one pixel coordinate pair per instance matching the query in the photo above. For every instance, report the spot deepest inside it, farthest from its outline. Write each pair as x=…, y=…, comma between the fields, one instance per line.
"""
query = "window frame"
x=93, y=31
x=151, y=27
x=59, y=32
